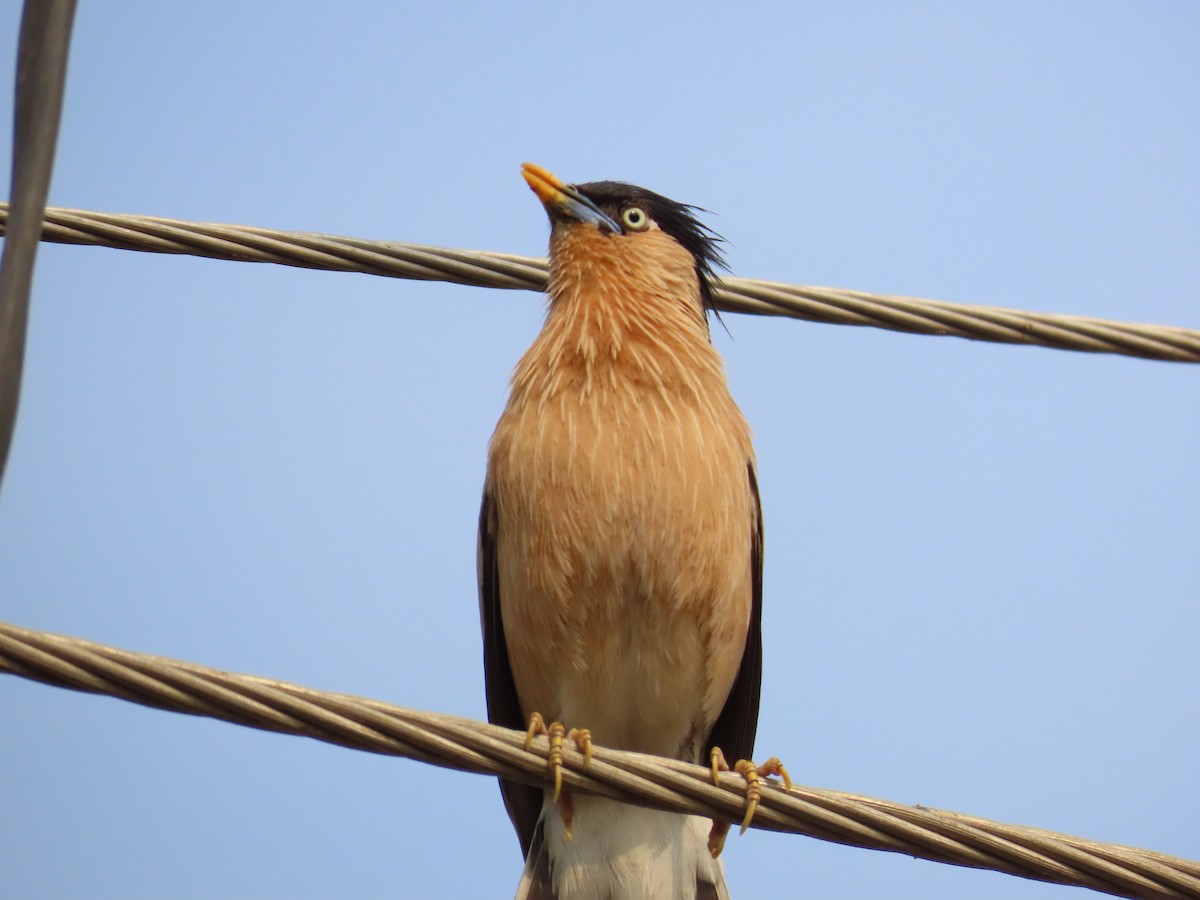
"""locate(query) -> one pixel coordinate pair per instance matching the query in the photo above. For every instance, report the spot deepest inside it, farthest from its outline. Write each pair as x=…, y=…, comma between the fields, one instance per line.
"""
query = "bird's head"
x=622, y=233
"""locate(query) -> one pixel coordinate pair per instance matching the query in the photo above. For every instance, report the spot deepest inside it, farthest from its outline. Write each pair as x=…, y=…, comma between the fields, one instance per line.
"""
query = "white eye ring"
x=635, y=219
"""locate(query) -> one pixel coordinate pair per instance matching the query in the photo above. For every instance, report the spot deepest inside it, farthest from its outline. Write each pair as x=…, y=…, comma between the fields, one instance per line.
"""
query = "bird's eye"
x=635, y=219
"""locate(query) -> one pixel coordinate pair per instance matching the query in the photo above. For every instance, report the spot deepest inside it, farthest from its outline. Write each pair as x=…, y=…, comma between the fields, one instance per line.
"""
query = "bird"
x=620, y=546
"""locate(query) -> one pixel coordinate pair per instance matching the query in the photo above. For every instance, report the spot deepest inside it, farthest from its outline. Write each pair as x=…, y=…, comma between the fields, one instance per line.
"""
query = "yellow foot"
x=753, y=775
x=557, y=732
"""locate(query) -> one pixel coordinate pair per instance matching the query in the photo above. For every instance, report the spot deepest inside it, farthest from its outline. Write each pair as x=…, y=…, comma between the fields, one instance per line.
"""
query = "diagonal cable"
x=458, y=743
x=503, y=270
x=41, y=76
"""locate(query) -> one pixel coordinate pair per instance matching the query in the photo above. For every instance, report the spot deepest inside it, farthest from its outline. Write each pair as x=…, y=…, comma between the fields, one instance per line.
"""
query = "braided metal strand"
x=503, y=270
x=668, y=784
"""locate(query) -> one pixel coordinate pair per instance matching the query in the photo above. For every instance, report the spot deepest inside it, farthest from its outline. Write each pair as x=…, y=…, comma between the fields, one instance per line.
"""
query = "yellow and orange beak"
x=564, y=201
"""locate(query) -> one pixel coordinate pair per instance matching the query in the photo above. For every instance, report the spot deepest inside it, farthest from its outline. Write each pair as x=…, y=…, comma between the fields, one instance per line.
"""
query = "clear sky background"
x=982, y=571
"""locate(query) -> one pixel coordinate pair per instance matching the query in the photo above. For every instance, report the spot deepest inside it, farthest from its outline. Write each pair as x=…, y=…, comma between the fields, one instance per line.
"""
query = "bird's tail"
x=620, y=852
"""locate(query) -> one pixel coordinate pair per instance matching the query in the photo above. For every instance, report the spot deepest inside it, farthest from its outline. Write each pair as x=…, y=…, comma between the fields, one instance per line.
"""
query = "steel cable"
x=503, y=270
x=41, y=78
x=459, y=743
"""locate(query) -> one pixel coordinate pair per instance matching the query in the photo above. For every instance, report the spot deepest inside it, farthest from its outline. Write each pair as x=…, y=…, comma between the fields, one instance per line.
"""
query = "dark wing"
x=524, y=803
x=737, y=724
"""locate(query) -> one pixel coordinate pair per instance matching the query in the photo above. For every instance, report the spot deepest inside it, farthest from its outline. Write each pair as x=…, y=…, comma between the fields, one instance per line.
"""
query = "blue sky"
x=982, y=572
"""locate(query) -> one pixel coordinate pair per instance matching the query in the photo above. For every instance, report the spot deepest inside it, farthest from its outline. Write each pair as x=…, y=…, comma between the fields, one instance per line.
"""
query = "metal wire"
x=502, y=270
x=41, y=76
x=458, y=743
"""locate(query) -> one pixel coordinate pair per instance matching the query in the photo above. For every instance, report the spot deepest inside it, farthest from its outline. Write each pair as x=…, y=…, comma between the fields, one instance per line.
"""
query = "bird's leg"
x=557, y=732
x=753, y=775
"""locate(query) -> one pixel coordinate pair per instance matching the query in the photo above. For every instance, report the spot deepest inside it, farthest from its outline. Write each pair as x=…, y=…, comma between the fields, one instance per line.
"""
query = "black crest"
x=676, y=219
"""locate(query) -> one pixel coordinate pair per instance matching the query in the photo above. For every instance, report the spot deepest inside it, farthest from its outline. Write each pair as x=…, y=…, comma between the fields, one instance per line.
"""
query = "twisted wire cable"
x=459, y=743
x=503, y=270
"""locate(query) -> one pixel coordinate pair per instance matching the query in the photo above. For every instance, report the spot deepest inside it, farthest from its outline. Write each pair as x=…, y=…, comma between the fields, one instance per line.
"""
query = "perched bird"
x=620, y=543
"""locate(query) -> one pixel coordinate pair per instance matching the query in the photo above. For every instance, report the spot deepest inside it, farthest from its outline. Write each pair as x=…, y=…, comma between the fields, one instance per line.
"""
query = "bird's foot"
x=754, y=775
x=557, y=733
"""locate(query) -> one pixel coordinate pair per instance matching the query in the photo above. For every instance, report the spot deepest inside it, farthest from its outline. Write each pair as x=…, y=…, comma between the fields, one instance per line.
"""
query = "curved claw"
x=774, y=766
x=719, y=765
x=557, y=733
x=537, y=725
x=583, y=743
x=749, y=771
x=754, y=775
